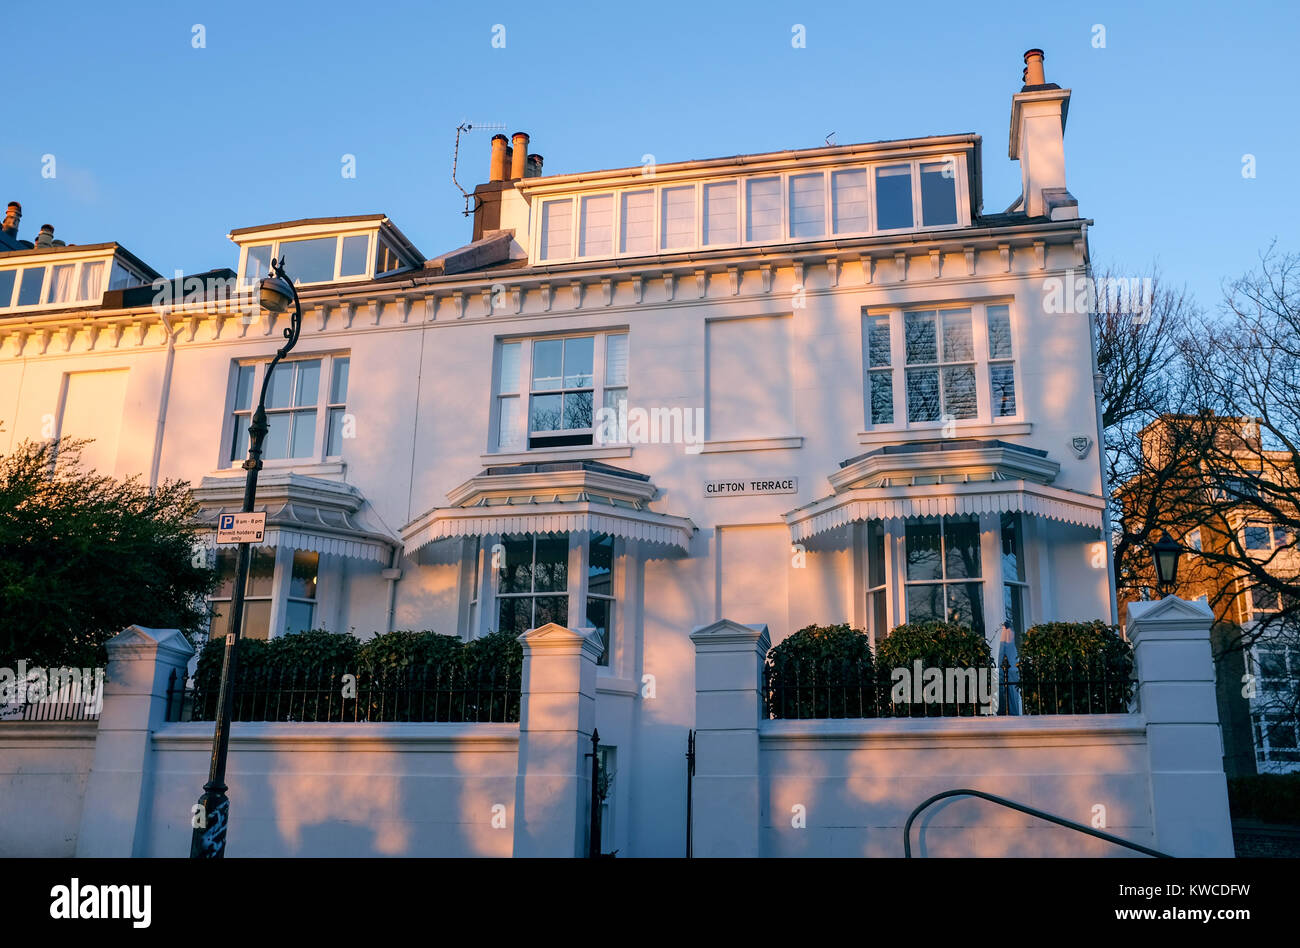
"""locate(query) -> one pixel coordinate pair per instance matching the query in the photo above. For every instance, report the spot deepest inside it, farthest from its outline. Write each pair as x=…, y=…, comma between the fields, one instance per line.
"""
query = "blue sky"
x=165, y=147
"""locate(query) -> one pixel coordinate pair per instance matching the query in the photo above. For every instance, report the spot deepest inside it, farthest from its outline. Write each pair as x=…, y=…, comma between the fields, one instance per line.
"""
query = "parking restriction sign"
x=241, y=527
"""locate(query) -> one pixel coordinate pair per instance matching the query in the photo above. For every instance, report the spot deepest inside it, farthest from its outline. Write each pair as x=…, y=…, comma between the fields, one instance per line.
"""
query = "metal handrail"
x=1003, y=801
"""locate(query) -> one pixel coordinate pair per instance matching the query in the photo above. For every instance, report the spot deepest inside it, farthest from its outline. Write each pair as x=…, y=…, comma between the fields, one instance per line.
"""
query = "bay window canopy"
x=302, y=513
x=944, y=478
x=560, y=497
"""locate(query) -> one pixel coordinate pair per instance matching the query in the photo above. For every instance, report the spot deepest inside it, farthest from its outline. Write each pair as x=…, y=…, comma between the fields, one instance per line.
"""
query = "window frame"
x=322, y=407
x=783, y=176
x=983, y=364
x=49, y=264
x=281, y=583
x=375, y=241
x=524, y=391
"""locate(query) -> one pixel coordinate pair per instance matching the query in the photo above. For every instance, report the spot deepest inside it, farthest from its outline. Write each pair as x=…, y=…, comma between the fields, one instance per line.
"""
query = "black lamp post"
x=275, y=294
x=1166, y=552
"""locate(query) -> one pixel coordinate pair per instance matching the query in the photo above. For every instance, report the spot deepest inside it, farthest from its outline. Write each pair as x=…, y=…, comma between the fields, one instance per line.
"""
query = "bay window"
x=280, y=588
x=536, y=577
x=943, y=571
x=928, y=366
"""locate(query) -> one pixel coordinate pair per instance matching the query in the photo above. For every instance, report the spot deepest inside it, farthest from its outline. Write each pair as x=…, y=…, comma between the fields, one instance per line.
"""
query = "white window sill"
x=898, y=435
x=542, y=455
x=310, y=468
x=752, y=444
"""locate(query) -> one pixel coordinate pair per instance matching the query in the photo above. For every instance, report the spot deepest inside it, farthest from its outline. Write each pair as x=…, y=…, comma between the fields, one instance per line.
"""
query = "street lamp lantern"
x=211, y=815
x=1166, y=552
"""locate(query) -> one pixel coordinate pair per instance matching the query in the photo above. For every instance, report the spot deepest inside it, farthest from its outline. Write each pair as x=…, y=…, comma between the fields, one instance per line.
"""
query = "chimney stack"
x=533, y=169
x=518, y=155
x=500, y=162
x=12, y=218
x=1037, y=141
x=46, y=237
x=1033, y=74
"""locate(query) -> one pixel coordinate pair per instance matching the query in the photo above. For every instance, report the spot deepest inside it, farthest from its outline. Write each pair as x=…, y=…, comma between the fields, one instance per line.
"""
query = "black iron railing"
x=332, y=693
x=1032, y=811
x=50, y=710
x=842, y=690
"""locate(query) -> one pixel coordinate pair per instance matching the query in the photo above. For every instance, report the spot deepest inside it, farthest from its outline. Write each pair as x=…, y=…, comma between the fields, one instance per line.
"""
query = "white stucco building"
x=844, y=402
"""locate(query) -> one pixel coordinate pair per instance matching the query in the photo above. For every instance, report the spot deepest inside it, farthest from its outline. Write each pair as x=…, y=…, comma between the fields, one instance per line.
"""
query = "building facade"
x=810, y=386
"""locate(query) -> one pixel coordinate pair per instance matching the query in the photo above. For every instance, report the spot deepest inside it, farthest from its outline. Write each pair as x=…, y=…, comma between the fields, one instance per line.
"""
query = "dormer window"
x=327, y=250
x=61, y=280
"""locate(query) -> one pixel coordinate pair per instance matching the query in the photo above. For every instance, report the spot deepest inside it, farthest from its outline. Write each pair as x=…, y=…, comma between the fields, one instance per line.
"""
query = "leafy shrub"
x=821, y=671
x=1075, y=668
x=936, y=645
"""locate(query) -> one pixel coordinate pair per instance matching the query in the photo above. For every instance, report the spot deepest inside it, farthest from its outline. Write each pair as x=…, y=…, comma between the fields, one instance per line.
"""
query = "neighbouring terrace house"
x=808, y=386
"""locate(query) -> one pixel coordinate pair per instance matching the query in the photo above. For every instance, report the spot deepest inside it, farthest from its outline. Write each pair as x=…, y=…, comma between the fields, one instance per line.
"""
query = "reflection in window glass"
x=309, y=261
x=807, y=205
x=557, y=229
x=721, y=213
x=763, y=209
x=938, y=193
x=258, y=263
x=29, y=290
x=638, y=213
x=7, y=280
x=942, y=554
x=894, y=197
x=353, y=259
x=597, y=235
x=677, y=230
x=849, y=201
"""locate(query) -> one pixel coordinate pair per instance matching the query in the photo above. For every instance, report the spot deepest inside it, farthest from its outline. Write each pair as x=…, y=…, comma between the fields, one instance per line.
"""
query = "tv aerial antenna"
x=466, y=128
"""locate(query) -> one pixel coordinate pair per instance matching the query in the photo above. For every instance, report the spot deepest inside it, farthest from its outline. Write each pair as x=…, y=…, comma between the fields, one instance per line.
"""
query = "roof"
x=304, y=221
x=117, y=248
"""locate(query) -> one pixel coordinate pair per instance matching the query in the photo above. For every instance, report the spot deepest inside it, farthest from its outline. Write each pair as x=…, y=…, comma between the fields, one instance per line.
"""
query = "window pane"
x=508, y=422
x=882, y=397
x=959, y=391
x=1003, y=380
x=763, y=199
x=239, y=439
x=339, y=385
x=614, y=397
x=298, y=616
x=678, y=227
x=938, y=193
x=616, y=359
x=925, y=604
x=90, y=285
x=244, y=387
x=958, y=345
x=355, y=258
x=999, y=332
x=577, y=410
x=721, y=213
x=60, y=289
x=510, y=354
x=557, y=229
x=551, y=574
x=599, y=617
x=638, y=222
x=304, y=433
x=309, y=261
x=551, y=609
x=1013, y=557
x=600, y=566
x=878, y=341
x=579, y=356
x=515, y=565
x=597, y=235
x=225, y=569
x=7, y=280
x=807, y=205
x=961, y=542
x=849, y=201
x=1259, y=537
x=894, y=197
x=922, y=394
x=276, y=445
x=261, y=571
x=308, y=382
x=280, y=390
x=548, y=358
x=257, y=619
x=29, y=291
x=1013, y=612
x=334, y=441
x=875, y=553
x=923, y=549
x=919, y=337
x=258, y=263
x=514, y=615
x=546, y=413
x=966, y=605
x=302, y=578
